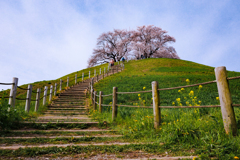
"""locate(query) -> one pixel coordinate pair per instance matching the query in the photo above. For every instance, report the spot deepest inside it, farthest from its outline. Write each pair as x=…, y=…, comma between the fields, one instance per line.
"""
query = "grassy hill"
x=198, y=129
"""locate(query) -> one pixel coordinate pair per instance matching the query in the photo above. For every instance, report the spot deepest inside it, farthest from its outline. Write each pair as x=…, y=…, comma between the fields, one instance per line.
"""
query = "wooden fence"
x=53, y=90
x=226, y=105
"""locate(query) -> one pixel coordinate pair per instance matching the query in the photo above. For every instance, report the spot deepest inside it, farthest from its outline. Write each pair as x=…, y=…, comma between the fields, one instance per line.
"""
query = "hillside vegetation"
x=198, y=129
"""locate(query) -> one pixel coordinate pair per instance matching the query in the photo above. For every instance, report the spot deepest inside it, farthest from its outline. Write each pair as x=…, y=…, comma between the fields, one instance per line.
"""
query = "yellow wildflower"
x=200, y=86
x=195, y=97
x=178, y=99
x=200, y=102
x=144, y=101
x=144, y=87
x=187, y=80
x=217, y=98
x=182, y=89
x=139, y=98
x=179, y=91
x=173, y=103
x=191, y=93
x=142, y=123
x=236, y=157
x=139, y=95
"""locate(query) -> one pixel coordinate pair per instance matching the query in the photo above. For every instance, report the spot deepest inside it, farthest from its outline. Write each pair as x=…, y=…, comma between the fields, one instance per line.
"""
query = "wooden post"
x=89, y=74
x=60, y=87
x=114, y=104
x=75, y=78
x=67, y=81
x=50, y=96
x=82, y=76
x=227, y=110
x=94, y=100
x=100, y=101
x=94, y=72
x=13, y=92
x=37, y=99
x=156, y=104
x=45, y=95
x=104, y=70
x=28, y=99
x=55, y=89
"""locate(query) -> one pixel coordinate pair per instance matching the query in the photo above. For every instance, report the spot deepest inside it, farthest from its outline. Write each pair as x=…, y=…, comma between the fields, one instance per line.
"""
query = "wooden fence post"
x=55, y=89
x=50, y=96
x=100, y=101
x=94, y=100
x=13, y=92
x=89, y=74
x=82, y=76
x=60, y=87
x=156, y=104
x=28, y=99
x=75, y=78
x=37, y=99
x=227, y=110
x=114, y=103
x=45, y=95
x=67, y=81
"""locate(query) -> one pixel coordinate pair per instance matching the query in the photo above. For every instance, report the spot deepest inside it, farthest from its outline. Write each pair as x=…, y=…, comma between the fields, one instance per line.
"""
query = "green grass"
x=20, y=104
x=202, y=127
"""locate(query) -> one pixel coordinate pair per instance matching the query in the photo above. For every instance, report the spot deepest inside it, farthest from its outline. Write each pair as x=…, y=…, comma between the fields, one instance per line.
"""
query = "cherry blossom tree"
x=111, y=45
x=152, y=41
x=149, y=41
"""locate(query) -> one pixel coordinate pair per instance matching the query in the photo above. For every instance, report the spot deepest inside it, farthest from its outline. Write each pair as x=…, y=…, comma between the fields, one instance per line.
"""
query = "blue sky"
x=44, y=40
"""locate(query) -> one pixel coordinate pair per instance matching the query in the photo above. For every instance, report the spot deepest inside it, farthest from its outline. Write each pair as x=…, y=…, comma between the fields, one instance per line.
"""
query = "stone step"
x=74, y=113
x=68, y=103
x=71, y=106
x=65, y=130
x=52, y=137
x=65, y=117
x=64, y=122
x=15, y=147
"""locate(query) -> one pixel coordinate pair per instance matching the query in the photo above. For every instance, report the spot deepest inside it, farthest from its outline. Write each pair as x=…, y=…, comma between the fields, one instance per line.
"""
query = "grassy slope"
x=41, y=84
x=197, y=129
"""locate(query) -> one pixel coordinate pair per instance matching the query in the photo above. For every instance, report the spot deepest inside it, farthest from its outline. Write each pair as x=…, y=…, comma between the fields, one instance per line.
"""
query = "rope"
x=5, y=97
x=188, y=85
x=238, y=77
x=21, y=98
x=134, y=92
x=134, y=106
x=107, y=95
x=236, y=105
x=6, y=83
x=106, y=105
x=209, y=106
x=97, y=103
x=22, y=88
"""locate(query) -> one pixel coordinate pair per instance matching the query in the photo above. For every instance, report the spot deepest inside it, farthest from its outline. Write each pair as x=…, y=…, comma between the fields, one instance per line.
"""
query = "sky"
x=44, y=40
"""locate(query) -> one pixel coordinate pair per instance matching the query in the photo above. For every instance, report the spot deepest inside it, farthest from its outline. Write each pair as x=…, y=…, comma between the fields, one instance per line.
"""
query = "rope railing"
x=230, y=78
x=6, y=83
x=21, y=99
x=106, y=105
x=5, y=97
x=207, y=106
x=193, y=85
x=134, y=106
x=134, y=92
x=107, y=95
x=22, y=88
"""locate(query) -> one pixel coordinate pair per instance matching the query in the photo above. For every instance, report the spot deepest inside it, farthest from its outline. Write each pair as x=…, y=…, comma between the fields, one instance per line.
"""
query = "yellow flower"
x=217, y=98
x=143, y=101
x=236, y=157
x=200, y=102
x=144, y=87
x=200, y=86
x=191, y=93
x=139, y=98
x=179, y=91
x=173, y=103
x=194, y=158
x=187, y=103
x=182, y=89
x=178, y=99
x=195, y=97
x=139, y=95
x=187, y=80
x=142, y=123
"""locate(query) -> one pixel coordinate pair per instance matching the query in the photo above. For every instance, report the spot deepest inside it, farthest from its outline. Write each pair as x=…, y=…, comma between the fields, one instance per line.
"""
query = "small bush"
x=9, y=117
